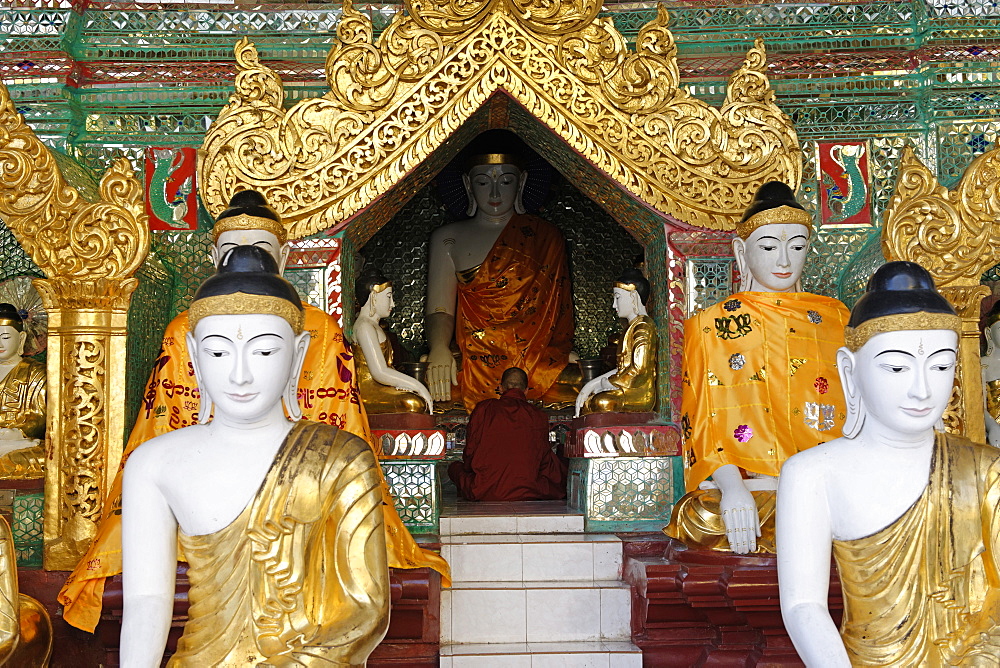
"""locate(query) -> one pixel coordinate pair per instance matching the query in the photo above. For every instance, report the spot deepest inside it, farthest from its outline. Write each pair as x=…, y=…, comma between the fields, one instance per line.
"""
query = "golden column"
x=954, y=236
x=88, y=251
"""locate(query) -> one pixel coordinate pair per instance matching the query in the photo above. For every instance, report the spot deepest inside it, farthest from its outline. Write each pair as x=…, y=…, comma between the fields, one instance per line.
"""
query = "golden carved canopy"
x=393, y=103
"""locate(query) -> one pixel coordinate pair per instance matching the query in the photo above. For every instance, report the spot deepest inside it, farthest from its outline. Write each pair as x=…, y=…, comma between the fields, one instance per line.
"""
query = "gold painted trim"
x=855, y=337
x=382, y=286
x=388, y=110
x=241, y=303
x=247, y=222
x=776, y=216
x=494, y=159
x=11, y=322
x=626, y=286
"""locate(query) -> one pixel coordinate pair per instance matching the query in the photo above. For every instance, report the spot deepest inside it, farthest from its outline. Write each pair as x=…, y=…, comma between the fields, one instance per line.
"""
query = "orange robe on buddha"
x=760, y=384
x=328, y=392
x=760, y=381
x=516, y=310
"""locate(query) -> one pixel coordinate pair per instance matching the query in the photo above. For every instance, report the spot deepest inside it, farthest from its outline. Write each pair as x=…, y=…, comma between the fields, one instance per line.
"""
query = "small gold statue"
x=25, y=627
x=631, y=388
x=22, y=402
x=383, y=389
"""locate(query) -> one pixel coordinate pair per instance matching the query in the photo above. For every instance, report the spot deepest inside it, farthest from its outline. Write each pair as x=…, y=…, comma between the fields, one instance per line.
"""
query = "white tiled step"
x=517, y=557
x=492, y=524
x=596, y=654
x=528, y=612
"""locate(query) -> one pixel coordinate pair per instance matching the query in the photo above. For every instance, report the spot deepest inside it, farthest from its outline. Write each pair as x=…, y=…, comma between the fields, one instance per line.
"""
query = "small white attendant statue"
x=910, y=513
x=383, y=389
x=631, y=387
x=280, y=520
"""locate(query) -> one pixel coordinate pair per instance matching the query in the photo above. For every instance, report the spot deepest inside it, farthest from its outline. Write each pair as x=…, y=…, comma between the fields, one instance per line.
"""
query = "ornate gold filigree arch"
x=88, y=251
x=392, y=103
x=954, y=235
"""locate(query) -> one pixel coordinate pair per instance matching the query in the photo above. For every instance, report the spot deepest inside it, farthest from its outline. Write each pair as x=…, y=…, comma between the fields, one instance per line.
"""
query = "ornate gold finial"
x=951, y=233
x=442, y=61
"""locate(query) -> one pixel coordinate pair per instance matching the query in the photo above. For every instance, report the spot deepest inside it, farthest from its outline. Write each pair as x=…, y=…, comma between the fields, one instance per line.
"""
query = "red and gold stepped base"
x=413, y=639
x=700, y=608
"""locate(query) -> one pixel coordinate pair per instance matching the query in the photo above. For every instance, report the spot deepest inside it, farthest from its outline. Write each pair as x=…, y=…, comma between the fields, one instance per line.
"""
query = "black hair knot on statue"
x=250, y=203
x=771, y=195
x=250, y=270
x=897, y=288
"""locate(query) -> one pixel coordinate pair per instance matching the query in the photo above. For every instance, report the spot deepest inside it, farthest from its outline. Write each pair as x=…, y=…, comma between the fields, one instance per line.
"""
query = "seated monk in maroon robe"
x=507, y=454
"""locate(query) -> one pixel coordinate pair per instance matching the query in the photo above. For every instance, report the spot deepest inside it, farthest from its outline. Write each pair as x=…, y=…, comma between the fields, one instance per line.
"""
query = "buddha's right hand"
x=442, y=373
x=739, y=510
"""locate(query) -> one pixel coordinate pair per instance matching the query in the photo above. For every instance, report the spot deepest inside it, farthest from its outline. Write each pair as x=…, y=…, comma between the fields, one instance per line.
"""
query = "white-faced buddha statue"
x=383, y=389
x=631, y=386
x=909, y=512
x=279, y=518
x=759, y=381
x=498, y=284
x=22, y=401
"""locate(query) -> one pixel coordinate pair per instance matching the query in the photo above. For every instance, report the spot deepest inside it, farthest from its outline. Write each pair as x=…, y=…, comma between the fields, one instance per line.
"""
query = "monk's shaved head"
x=514, y=378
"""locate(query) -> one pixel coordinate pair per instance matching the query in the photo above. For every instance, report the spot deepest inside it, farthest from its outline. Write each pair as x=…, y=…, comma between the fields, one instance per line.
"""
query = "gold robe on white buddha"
x=635, y=379
x=925, y=591
x=300, y=577
x=379, y=398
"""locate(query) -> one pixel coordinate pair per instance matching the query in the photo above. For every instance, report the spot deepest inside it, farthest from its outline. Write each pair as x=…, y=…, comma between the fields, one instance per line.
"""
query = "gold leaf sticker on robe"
x=713, y=379
x=760, y=376
x=794, y=363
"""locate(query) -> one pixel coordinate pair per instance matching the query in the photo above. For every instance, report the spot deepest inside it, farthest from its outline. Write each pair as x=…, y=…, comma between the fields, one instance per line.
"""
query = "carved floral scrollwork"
x=392, y=103
x=64, y=234
x=951, y=233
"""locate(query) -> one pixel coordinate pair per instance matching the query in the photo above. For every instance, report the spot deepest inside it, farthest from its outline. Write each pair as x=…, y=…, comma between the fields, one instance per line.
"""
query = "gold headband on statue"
x=241, y=303
x=495, y=159
x=382, y=286
x=17, y=323
x=626, y=286
x=247, y=222
x=776, y=216
x=855, y=337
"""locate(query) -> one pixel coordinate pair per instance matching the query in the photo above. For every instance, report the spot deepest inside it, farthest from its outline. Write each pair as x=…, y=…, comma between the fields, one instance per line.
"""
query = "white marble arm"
x=366, y=336
x=804, y=539
x=149, y=564
x=599, y=384
x=439, y=326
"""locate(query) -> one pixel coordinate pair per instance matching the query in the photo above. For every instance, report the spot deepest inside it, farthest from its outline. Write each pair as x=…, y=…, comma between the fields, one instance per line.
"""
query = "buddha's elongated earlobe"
x=739, y=252
x=205, y=405
x=470, y=210
x=852, y=396
x=519, y=200
x=291, y=394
